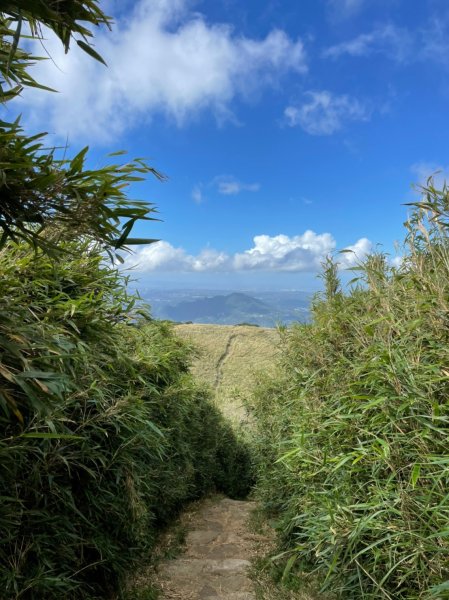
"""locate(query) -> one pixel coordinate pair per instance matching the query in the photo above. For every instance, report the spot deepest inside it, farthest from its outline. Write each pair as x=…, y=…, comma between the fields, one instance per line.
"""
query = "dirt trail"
x=216, y=560
x=219, y=544
x=230, y=355
x=222, y=359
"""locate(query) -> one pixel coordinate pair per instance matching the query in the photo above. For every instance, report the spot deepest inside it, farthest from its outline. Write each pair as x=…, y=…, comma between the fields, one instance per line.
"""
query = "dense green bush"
x=353, y=434
x=103, y=433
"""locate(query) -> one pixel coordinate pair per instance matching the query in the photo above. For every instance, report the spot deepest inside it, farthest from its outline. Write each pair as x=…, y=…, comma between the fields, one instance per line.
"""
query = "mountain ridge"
x=234, y=308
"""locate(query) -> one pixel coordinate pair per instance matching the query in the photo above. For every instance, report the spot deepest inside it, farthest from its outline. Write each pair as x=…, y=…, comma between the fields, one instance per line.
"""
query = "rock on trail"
x=215, y=563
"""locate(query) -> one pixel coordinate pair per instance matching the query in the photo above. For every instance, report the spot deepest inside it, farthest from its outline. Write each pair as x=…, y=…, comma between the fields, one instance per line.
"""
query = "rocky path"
x=215, y=563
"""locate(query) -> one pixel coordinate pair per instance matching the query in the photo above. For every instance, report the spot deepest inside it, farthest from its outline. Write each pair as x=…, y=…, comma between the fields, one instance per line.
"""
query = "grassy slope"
x=229, y=357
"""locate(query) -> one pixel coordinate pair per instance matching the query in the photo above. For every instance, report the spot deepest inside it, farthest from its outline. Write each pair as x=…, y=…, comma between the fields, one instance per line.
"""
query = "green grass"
x=267, y=569
x=352, y=433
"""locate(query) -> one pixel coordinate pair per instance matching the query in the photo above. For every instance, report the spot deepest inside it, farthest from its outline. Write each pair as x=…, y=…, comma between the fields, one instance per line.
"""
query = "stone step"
x=205, y=543
x=207, y=577
x=215, y=563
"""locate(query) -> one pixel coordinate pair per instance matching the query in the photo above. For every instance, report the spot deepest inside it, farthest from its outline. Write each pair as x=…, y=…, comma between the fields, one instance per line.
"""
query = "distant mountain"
x=231, y=309
x=217, y=308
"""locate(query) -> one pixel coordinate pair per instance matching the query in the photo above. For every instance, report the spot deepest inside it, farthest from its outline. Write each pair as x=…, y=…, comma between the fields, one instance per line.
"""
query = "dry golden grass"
x=230, y=357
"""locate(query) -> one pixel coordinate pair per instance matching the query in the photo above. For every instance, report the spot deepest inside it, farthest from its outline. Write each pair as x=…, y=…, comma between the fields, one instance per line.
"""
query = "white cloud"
x=280, y=253
x=397, y=261
x=284, y=253
x=162, y=256
x=355, y=254
x=229, y=186
x=429, y=43
x=163, y=60
x=396, y=43
x=159, y=256
x=325, y=113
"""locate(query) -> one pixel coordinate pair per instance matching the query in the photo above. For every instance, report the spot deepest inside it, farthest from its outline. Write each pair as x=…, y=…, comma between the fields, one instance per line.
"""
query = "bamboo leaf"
x=51, y=436
x=89, y=50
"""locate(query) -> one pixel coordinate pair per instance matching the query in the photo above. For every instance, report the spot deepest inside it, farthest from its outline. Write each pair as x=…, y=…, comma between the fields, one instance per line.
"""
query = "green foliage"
x=45, y=200
x=353, y=432
x=66, y=19
x=104, y=434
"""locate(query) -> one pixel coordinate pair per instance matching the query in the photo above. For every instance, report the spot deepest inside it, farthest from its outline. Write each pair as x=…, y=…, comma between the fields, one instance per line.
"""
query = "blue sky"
x=287, y=130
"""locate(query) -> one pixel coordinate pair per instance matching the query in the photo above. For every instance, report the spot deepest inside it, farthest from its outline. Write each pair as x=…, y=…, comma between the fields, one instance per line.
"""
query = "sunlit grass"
x=230, y=359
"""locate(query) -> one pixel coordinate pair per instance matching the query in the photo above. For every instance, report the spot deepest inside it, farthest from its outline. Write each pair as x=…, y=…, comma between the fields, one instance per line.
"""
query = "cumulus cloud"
x=280, y=253
x=325, y=113
x=162, y=256
x=164, y=60
x=355, y=254
x=283, y=253
x=397, y=261
x=394, y=42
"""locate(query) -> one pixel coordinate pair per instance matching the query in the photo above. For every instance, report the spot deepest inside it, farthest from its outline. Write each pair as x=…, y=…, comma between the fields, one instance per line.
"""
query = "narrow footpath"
x=216, y=560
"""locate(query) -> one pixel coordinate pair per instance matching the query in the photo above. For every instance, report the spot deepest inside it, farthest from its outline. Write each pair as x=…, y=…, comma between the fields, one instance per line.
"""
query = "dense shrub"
x=103, y=433
x=353, y=432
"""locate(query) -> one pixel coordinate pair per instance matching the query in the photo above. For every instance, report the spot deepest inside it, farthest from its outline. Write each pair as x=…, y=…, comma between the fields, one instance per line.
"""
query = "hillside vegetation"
x=352, y=433
x=104, y=434
x=239, y=308
x=232, y=308
x=228, y=359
